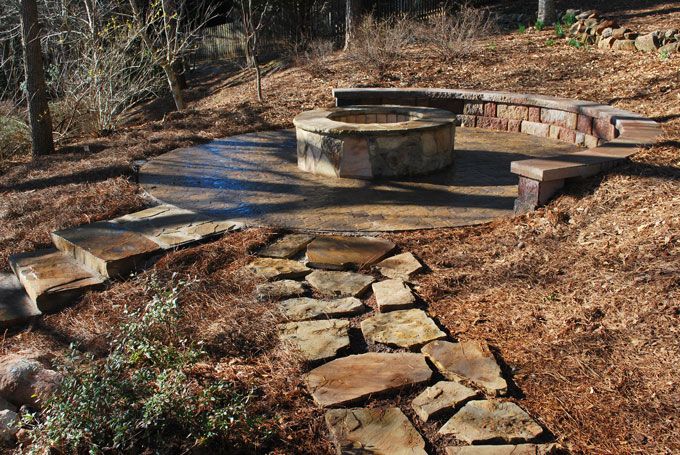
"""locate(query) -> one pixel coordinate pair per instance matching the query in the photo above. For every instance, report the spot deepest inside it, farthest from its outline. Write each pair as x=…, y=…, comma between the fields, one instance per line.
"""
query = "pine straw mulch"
x=580, y=299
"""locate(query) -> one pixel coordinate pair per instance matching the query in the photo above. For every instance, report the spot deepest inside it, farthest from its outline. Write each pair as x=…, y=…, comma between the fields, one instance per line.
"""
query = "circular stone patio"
x=254, y=178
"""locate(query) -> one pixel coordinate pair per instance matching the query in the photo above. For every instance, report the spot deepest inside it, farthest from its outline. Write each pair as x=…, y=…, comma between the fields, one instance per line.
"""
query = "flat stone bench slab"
x=349, y=379
x=53, y=279
x=483, y=421
x=16, y=307
x=340, y=253
x=171, y=227
x=375, y=431
x=106, y=247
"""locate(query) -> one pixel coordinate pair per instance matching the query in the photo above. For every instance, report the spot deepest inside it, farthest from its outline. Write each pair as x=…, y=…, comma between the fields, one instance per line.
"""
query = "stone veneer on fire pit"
x=375, y=141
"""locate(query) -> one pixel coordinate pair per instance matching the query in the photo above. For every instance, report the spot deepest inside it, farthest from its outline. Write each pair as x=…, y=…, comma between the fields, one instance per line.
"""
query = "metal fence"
x=323, y=19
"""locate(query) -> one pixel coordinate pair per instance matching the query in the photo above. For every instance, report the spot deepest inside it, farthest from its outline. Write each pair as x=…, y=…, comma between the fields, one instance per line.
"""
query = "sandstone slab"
x=504, y=449
x=277, y=269
x=393, y=295
x=305, y=308
x=349, y=379
x=16, y=307
x=468, y=361
x=106, y=247
x=278, y=290
x=442, y=397
x=484, y=421
x=53, y=279
x=340, y=284
x=287, y=246
x=316, y=340
x=171, y=227
x=375, y=431
x=402, y=266
x=340, y=253
x=404, y=328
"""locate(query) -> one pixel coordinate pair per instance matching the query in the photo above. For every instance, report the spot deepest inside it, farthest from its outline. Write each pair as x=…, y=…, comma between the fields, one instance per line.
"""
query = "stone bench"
x=607, y=134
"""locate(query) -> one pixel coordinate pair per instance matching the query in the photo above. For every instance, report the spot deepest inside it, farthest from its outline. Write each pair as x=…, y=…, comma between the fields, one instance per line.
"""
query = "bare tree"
x=169, y=34
x=254, y=18
x=352, y=19
x=38, y=108
x=547, y=12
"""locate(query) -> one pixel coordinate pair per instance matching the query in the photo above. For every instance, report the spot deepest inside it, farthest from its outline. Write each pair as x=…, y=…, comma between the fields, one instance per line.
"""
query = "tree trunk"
x=258, y=79
x=352, y=15
x=38, y=109
x=175, y=86
x=546, y=12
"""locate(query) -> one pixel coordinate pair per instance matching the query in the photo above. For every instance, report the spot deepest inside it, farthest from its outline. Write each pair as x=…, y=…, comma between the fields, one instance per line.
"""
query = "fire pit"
x=375, y=141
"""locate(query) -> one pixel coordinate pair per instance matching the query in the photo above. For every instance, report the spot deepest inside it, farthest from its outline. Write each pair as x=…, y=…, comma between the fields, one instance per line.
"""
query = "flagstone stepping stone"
x=401, y=266
x=305, y=308
x=485, y=421
x=442, y=397
x=106, y=247
x=340, y=253
x=277, y=269
x=355, y=377
x=393, y=295
x=316, y=340
x=520, y=449
x=339, y=284
x=171, y=227
x=375, y=431
x=286, y=247
x=53, y=279
x=16, y=307
x=468, y=361
x=278, y=290
x=405, y=328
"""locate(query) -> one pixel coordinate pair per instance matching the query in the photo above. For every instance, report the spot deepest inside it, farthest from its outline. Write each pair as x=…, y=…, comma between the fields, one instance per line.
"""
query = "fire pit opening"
x=375, y=141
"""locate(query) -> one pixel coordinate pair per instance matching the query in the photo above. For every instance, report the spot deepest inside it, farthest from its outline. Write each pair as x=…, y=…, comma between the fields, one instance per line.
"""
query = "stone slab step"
x=106, y=247
x=375, y=431
x=53, y=279
x=171, y=227
x=16, y=308
x=340, y=253
x=505, y=449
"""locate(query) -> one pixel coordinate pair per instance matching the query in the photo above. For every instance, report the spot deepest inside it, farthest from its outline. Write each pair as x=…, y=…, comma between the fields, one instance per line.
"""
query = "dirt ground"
x=581, y=299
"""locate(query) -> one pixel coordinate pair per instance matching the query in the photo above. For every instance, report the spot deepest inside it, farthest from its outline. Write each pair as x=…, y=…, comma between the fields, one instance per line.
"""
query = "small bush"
x=539, y=25
x=457, y=33
x=573, y=42
x=315, y=58
x=378, y=44
x=550, y=42
x=569, y=19
x=143, y=394
x=559, y=30
x=522, y=29
x=15, y=135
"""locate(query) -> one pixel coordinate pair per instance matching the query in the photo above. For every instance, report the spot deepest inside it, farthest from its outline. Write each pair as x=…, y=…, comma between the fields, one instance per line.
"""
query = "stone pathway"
x=464, y=406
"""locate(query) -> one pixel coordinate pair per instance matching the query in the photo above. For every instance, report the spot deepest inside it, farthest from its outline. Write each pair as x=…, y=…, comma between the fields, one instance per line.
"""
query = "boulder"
x=607, y=32
x=604, y=25
x=624, y=45
x=671, y=48
x=606, y=43
x=619, y=33
x=9, y=426
x=26, y=381
x=647, y=43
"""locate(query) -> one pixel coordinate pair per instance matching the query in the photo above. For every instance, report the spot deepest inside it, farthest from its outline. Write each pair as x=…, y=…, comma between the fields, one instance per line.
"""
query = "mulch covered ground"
x=581, y=300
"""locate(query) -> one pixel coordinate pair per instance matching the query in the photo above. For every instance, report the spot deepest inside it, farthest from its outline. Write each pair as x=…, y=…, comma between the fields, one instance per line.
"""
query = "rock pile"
x=591, y=28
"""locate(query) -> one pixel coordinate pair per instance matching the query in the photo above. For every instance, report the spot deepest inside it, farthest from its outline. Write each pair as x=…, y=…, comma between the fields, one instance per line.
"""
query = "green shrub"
x=522, y=29
x=539, y=25
x=142, y=395
x=550, y=42
x=559, y=30
x=569, y=19
x=573, y=42
x=15, y=135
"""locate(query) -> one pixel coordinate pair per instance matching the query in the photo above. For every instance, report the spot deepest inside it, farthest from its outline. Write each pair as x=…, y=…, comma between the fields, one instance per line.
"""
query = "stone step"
x=53, y=279
x=106, y=247
x=16, y=307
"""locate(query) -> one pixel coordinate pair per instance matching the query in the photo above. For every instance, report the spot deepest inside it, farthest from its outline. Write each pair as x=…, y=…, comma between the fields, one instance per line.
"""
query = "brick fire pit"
x=375, y=141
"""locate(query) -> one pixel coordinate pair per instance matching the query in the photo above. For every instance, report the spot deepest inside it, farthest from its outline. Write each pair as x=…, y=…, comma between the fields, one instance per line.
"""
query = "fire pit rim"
x=321, y=121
